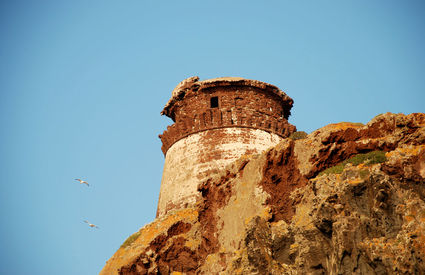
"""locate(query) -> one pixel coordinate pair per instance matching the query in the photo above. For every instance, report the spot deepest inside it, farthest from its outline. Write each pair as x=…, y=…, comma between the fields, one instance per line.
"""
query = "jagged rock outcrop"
x=274, y=213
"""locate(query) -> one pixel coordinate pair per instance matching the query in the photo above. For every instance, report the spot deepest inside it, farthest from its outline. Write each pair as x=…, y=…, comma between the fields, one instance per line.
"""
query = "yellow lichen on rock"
x=344, y=125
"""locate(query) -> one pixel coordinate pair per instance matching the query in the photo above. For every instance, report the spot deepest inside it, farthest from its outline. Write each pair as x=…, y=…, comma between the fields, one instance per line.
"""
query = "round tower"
x=216, y=121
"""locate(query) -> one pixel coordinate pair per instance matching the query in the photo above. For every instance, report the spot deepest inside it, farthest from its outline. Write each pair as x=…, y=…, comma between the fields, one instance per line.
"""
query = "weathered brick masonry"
x=216, y=122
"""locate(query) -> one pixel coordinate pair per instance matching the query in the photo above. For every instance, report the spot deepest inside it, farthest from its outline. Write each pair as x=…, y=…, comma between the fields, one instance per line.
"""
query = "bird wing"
x=78, y=180
x=86, y=222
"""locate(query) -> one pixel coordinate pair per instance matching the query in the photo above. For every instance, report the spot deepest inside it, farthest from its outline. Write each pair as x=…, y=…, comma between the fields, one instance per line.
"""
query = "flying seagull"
x=83, y=182
x=91, y=225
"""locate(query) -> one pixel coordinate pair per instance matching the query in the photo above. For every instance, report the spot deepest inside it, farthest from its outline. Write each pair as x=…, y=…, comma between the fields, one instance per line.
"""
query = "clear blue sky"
x=83, y=82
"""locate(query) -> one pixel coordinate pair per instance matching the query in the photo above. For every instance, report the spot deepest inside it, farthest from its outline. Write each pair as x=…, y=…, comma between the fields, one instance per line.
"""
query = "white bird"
x=83, y=182
x=91, y=225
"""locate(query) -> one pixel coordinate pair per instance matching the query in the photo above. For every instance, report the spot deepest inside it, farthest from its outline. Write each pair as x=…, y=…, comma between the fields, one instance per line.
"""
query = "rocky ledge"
x=346, y=199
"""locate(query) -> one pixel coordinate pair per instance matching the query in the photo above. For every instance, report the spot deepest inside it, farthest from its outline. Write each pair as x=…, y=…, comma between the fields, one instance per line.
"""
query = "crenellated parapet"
x=223, y=118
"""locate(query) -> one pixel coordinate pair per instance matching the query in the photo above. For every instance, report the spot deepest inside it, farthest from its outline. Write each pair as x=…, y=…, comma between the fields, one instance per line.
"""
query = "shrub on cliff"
x=368, y=158
x=130, y=240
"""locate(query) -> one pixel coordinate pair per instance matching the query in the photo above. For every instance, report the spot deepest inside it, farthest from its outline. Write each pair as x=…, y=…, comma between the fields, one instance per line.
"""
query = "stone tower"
x=216, y=121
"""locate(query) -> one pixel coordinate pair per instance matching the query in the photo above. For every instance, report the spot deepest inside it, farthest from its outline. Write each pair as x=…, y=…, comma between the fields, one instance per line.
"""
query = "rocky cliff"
x=345, y=199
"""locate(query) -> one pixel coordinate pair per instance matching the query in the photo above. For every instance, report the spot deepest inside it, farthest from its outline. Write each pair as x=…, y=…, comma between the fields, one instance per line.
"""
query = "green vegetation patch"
x=130, y=240
x=368, y=158
x=364, y=173
x=298, y=135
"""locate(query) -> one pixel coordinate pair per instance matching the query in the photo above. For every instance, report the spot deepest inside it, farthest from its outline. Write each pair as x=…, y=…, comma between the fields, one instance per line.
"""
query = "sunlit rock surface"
x=274, y=214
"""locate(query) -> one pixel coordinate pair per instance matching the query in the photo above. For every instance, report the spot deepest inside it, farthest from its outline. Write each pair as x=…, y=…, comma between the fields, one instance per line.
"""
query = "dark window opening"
x=214, y=102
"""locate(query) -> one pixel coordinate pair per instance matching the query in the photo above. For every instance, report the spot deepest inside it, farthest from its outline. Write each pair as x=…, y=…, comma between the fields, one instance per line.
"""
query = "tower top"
x=225, y=102
x=193, y=85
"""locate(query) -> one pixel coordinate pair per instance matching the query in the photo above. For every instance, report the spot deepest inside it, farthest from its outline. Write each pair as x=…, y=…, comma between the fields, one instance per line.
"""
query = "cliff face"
x=275, y=214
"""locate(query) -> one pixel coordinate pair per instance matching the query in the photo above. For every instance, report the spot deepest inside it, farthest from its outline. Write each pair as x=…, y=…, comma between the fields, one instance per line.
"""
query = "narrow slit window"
x=214, y=102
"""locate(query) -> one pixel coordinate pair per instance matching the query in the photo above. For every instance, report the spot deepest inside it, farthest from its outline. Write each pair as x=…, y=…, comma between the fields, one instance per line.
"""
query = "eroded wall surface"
x=191, y=160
